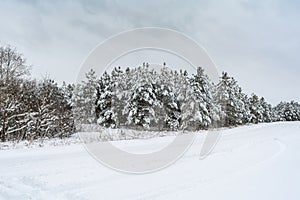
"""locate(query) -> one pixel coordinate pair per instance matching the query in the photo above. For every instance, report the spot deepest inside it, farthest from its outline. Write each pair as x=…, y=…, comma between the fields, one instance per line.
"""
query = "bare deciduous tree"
x=12, y=67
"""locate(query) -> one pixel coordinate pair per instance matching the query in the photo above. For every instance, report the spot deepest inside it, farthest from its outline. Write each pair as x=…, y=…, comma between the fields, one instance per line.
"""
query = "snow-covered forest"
x=135, y=98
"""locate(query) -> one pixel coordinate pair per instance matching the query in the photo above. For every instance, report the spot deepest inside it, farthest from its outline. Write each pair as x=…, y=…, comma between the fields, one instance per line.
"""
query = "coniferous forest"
x=131, y=98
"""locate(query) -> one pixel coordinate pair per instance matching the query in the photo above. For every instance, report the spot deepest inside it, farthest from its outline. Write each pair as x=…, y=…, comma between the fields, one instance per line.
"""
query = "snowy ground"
x=251, y=162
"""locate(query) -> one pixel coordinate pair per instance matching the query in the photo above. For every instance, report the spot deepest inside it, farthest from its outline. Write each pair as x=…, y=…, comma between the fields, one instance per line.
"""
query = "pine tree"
x=256, y=109
x=196, y=101
x=118, y=95
x=187, y=101
x=246, y=114
x=142, y=101
x=46, y=120
x=267, y=111
x=65, y=104
x=85, y=100
x=288, y=111
x=229, y=96
x=104, y=107
x=168, y=108
x=208, y=111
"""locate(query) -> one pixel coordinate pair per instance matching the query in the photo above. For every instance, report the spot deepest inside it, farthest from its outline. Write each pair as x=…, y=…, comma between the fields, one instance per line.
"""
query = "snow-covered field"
x=251, y=162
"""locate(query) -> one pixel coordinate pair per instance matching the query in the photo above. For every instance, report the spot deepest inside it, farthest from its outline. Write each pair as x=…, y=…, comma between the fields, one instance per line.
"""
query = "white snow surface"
x=250, y=162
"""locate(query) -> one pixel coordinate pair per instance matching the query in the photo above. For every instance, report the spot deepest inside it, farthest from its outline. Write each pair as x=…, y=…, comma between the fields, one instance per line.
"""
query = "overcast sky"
x=257, y=42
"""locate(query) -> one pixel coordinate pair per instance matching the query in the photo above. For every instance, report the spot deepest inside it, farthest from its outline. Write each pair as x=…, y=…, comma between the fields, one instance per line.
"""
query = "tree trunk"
x=3, y=137
x=3, y=118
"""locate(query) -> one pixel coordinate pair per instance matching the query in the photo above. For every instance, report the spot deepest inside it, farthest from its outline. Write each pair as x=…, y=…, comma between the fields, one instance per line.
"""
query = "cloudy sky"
x=257, y=42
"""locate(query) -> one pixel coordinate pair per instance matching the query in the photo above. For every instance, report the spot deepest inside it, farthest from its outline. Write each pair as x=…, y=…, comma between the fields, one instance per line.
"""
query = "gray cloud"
x=255, y=41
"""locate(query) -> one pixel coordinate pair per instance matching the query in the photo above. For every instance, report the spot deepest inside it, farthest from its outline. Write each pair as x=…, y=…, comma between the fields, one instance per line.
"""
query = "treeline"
x=174, y=100
x=125, y=98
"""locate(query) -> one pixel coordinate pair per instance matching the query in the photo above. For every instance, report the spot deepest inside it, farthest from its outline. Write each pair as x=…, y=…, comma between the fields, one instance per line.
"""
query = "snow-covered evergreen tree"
x=287, y=111
x=168, y=108
x=229, y=95
x=46, y=120
x=65, y=104
x=105, y=112
x=187, y=101
x=142, y=101
x=197, y=106
x=53, y=114
x=267, y=111
x=256, y=109
x=209, y=111
x=246, y=115
x=85, y=100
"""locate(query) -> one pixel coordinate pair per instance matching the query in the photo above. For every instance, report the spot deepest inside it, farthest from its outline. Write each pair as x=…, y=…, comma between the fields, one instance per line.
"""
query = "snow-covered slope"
x=251, y=162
